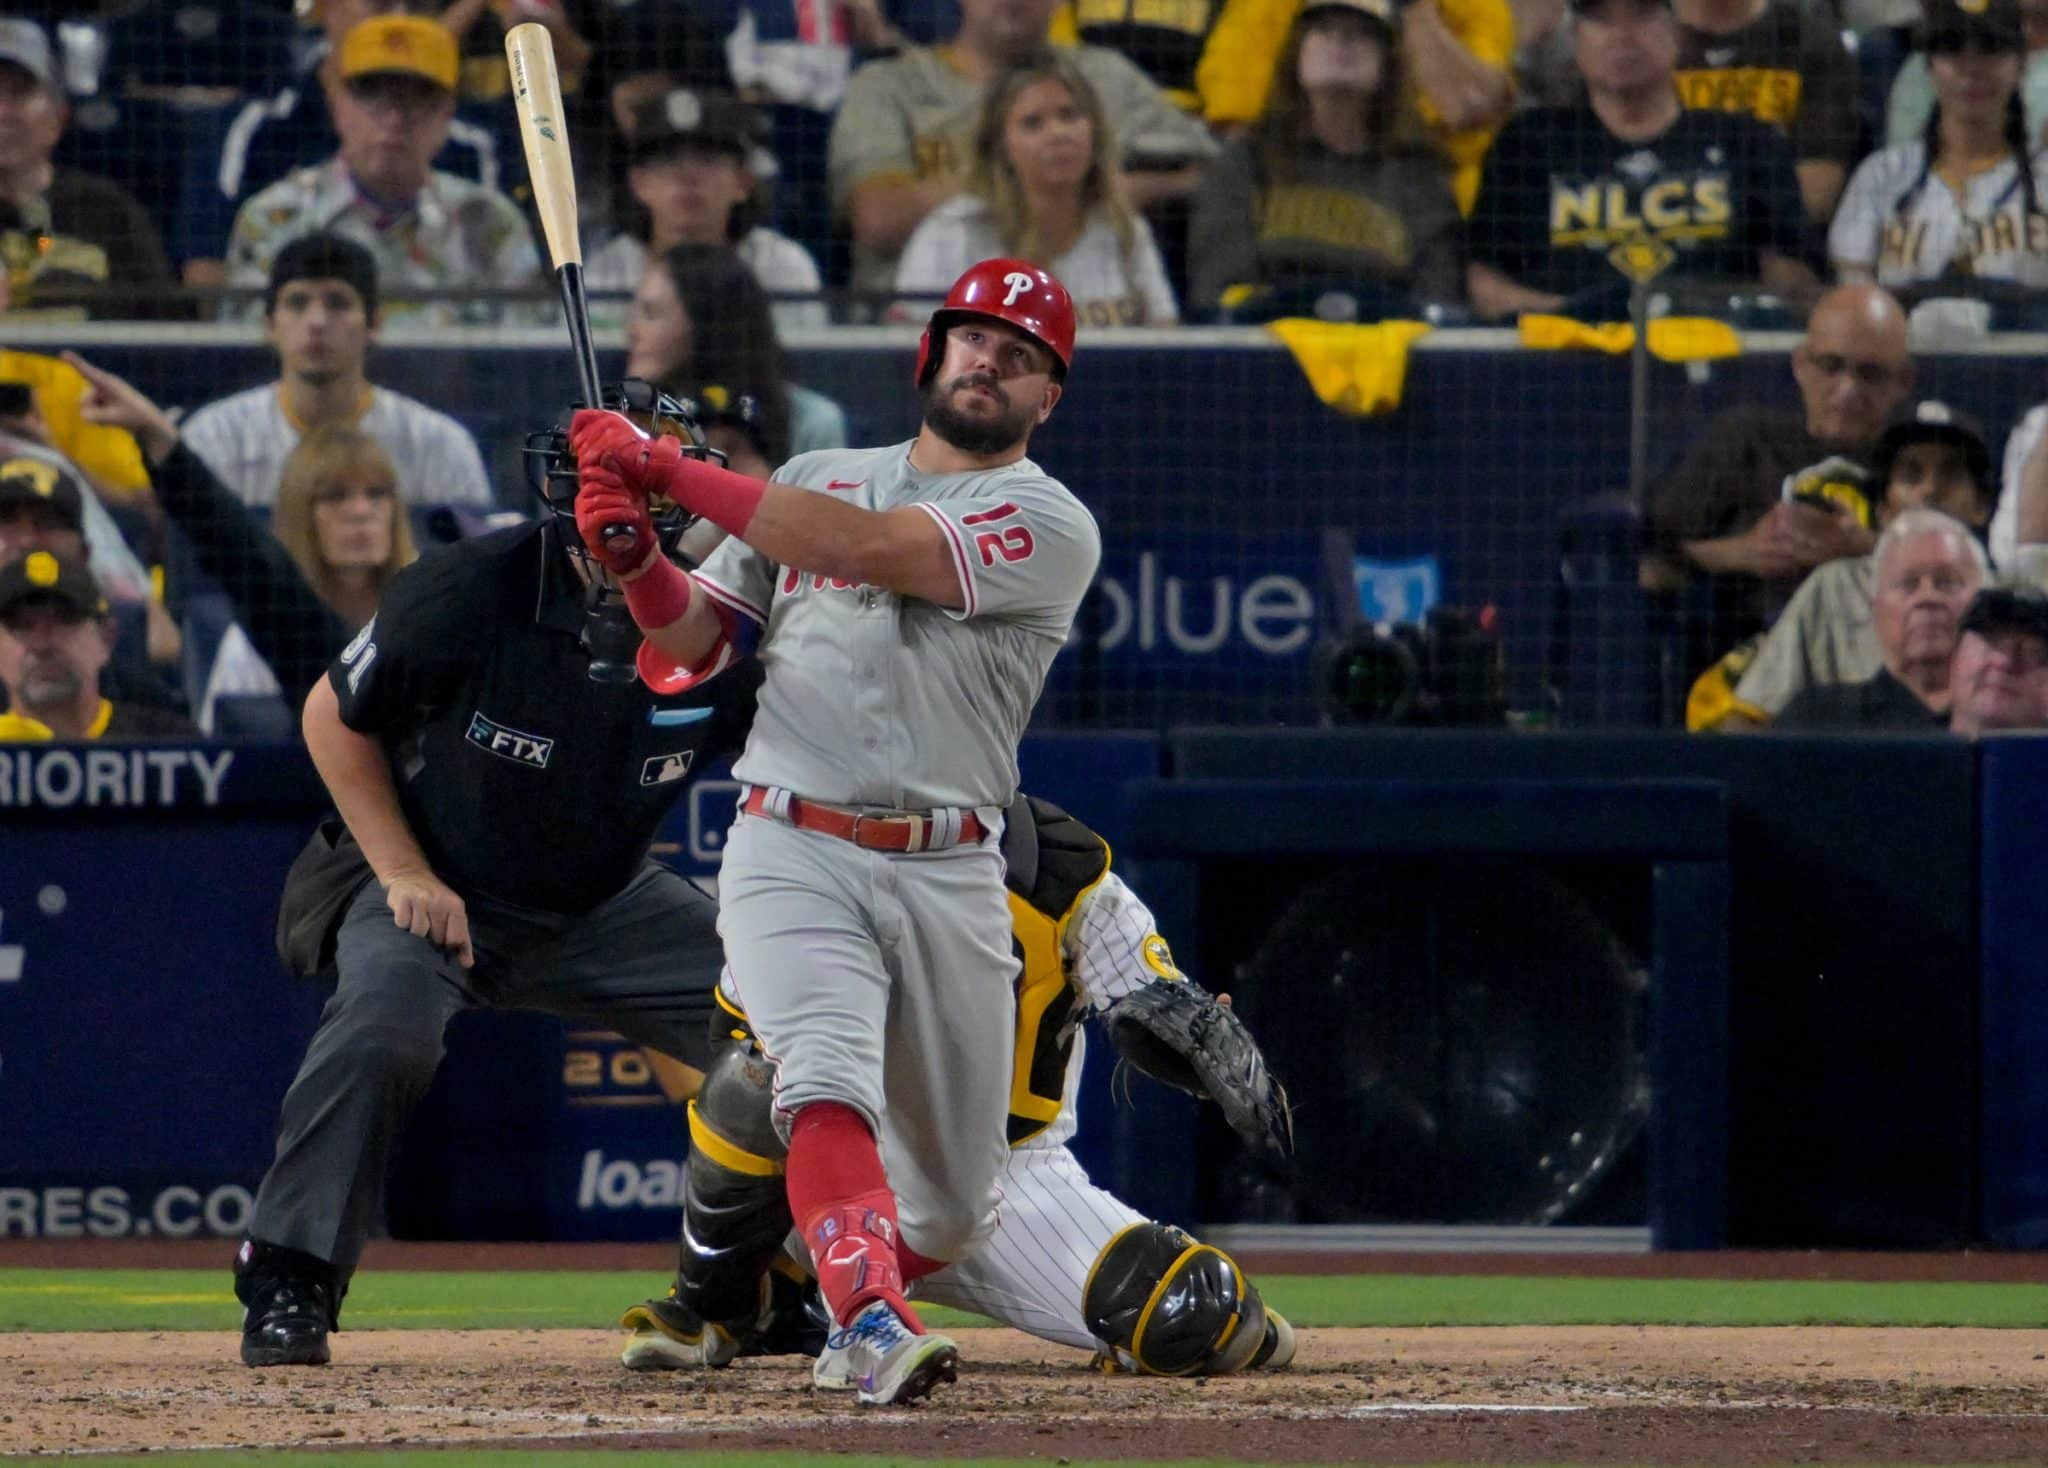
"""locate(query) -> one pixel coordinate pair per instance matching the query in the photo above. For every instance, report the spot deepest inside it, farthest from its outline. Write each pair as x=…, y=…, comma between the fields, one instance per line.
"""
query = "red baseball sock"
x=840, y=1197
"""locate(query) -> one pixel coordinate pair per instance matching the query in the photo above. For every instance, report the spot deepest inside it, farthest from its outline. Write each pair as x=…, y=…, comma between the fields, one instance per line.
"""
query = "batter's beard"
x=974, y=435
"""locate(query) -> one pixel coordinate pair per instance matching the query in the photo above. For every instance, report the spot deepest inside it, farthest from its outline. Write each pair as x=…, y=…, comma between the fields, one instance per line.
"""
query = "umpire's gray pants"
x=644, y=963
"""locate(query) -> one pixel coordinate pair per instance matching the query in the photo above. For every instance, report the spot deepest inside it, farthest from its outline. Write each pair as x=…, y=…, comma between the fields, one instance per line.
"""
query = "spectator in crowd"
x=1044, y=185
x=1544, y=74
x=1458, y=56
x=320, y=314
x=2019, y=529
x=1928, y=567
x=248, y=148
x=1764, y=495
x=692, y=180
x=1931, y=458
x=1565, y=186
x=1964, y=201
x=339, y=518
x=1169, y=43
x=430, y=232
x=291, y=626
x=66, y=238
x=39, y=397
x=56, y=635
x=30, y=469
x=1912, y=97
x=793, y=58
x=1783, y=63
x=1999, y=679
x=903, y=137
x=1336, y=182
x=701, y=317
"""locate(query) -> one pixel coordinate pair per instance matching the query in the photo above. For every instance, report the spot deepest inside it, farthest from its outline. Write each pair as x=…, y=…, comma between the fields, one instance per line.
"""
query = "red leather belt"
x=902, y=830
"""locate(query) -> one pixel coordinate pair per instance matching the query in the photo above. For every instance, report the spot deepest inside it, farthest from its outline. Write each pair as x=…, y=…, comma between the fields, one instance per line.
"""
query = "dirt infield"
x=1575, y=1394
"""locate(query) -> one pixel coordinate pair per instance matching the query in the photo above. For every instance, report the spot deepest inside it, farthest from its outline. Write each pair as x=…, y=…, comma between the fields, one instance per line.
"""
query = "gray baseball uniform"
x=884, y=981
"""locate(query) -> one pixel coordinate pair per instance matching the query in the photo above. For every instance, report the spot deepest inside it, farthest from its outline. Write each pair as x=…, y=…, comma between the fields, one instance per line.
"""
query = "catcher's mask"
x=609, y=633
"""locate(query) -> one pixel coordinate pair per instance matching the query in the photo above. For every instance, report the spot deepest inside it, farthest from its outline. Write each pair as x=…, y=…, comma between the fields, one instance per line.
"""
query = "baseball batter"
x=1069, y=1261
x=907, y=603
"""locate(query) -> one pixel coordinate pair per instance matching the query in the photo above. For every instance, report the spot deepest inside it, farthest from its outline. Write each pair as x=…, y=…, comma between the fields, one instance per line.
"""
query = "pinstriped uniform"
x=1052, y=1221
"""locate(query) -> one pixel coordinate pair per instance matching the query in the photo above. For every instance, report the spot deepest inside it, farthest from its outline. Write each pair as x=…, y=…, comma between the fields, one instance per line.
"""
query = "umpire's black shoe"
x=289, y=1302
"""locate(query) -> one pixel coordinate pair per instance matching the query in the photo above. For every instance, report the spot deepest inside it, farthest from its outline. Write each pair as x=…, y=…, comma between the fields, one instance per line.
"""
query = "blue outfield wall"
x=1883, y=1083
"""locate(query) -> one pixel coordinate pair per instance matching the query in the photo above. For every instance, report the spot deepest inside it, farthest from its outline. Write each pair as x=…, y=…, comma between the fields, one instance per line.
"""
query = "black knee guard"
x=735, y=1207
x=1172, y=1306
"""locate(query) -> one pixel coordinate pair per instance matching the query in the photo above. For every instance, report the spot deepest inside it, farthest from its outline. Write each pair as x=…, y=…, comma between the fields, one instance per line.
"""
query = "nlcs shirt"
x=1561, y=192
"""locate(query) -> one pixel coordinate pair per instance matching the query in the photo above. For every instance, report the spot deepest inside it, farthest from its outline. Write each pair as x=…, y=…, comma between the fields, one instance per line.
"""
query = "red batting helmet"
x=1015, y=291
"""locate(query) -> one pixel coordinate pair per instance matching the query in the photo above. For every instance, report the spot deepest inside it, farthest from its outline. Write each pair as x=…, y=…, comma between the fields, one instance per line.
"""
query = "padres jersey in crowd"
x=1111, y=285
x=1789, y=68
x=877, y=699
x=1387, y=218
x=1165, y=37
x=1908, y=224
x=245, y=439
x=1236, y=72
x=456, y=236
x=1561, y=192
x=913, y=115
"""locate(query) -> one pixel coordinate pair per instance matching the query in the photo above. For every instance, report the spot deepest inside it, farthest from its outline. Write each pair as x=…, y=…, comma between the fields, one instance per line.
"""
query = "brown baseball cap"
x=29, y=480
x=41, y=575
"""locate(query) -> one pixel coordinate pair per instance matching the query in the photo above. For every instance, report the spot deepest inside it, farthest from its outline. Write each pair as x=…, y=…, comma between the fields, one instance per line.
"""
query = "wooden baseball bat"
x=537, y=94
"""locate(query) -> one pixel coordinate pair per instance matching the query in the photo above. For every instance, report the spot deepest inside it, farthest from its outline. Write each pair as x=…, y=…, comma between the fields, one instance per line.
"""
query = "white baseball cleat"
x=883, y=1360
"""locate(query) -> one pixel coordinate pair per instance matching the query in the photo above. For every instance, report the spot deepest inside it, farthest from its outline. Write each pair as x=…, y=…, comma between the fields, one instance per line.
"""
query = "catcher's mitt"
x=1178, y=1033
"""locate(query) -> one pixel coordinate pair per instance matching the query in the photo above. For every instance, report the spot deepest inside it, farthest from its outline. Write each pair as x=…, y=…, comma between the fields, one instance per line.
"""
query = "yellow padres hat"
x=406, y=45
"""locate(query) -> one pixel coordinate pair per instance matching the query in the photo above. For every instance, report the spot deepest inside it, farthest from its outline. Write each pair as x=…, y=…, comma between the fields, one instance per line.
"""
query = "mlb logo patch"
x=663, y=768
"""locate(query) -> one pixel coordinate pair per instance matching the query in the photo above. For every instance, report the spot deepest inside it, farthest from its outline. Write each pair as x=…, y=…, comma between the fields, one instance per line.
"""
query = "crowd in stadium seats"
x=754, y=168
x=1470, y=158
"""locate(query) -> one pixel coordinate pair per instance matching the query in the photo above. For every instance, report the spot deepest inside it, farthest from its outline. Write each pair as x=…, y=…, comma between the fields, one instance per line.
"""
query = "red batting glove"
x=658, y=466
x=645, y=462
x=603, y=502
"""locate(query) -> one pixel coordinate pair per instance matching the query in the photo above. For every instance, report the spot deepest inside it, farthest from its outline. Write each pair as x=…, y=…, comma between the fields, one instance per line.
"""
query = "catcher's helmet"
x=552, y=467
x=1015, y=291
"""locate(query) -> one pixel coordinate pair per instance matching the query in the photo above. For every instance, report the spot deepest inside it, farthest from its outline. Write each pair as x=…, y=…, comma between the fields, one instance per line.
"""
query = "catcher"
x=1068, y=1261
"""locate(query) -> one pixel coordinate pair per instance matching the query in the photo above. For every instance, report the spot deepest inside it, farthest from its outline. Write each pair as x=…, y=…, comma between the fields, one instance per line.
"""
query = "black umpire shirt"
x=523, y=780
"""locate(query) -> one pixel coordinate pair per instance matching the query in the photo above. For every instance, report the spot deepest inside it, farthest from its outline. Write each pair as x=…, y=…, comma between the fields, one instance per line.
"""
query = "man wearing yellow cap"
x=237, y=152
x=430, y=232
x=55, y=637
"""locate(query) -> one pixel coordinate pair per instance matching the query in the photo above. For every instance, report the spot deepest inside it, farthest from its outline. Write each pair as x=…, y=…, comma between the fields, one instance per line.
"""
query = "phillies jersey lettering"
x=884, y=700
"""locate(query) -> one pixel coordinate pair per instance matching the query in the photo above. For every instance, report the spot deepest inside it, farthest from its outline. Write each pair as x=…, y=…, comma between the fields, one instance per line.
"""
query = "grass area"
x=543, y=1458
x=138, y=1299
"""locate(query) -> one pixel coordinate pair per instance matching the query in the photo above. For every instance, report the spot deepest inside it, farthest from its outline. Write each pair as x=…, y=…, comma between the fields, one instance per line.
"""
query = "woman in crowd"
x=691, y=178
x=1044, y=185
x=1963, y=201
x=700, y=317
x=1336, y=182
x=338, y=516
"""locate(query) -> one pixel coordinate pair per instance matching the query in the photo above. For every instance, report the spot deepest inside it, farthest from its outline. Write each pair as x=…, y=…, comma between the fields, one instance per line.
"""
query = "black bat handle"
x=619, y=540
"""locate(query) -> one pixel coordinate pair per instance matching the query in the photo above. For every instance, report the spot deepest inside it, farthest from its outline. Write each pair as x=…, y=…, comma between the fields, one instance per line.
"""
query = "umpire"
x=466, y=736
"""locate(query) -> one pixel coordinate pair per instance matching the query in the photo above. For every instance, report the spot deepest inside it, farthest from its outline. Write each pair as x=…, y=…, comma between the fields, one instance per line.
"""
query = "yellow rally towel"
x=1358, y=370
x=108, y=455
x=21, y=729
x=1672, y=338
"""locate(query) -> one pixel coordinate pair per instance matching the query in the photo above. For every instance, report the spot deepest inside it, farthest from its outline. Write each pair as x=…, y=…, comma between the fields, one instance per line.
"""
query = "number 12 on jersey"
x=1012, y=543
